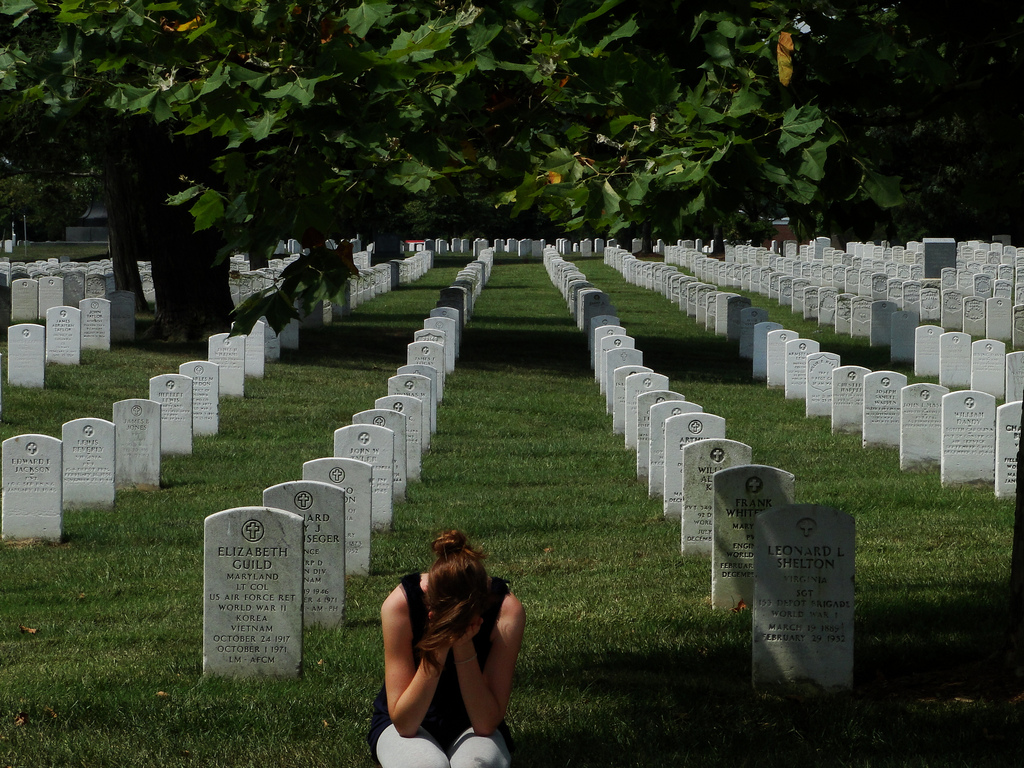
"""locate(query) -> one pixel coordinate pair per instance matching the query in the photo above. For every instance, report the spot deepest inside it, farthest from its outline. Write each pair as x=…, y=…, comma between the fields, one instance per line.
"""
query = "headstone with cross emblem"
x=412, y=409
x=26, y=355
x=644, y=402
x=24, y=300
x=438, y=336
x=803, y=600
x=205, y=396
x=95, y=323
x=428, y=353
x=617, y=392
x=601, y=332
x=921, y=427
x=415, y=385
x=702, y=459
x=612, y=352
x=881, y=426
x=848, y=398
x=322, y=508
x=355, y=479
x=759, y=348
x=968, y=438
x=229, y=353
x=660, y=413
x=137, y=446
x=51, y=294
x=375, y=446
x=796, y=352
x=252, y=593
x=818, y=386
x=435, y=391
x=397, y=423
x=63, y=335
x=174, y=393
x=926, y=350
x=634, y=386
x=32, y=498
x=955, y=360
x=679, y=432
x=1008, y=418
x=88, y=461
x=741, y=493
x=988, y=367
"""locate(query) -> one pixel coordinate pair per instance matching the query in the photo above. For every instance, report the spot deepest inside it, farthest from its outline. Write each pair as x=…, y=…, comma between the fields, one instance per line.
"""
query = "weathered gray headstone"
x=322, y=508
x=701, y=460
x=252, y=593
x=122, y=316
x=356, y=479
x=24, y=300
x=926, y=350
x=803, y=623
x=974, y=316
x=741, y=493
x=32, y=498
x=89, y=460
x=137, y=454
x=679, y=432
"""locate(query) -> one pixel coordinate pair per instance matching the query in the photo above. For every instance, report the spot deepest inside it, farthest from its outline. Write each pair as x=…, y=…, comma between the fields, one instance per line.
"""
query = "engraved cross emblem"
x=31, y=449
x=252, y=530
x=364, y=437
x=303, y=500
x=337, y=475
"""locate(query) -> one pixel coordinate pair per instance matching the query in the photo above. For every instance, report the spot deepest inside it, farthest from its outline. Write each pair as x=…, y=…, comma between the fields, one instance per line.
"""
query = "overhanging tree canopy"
x=600, y=112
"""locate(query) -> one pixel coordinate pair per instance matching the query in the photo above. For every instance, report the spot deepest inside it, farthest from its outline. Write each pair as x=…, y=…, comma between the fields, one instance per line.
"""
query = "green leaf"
x=362, y=18
x=628, y=29
x=798, y=125
x=884, y=190
x=208, y=210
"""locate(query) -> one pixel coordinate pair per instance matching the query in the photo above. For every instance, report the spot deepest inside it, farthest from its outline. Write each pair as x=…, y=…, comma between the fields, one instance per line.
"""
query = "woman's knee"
x=419, y=751
x=472, y=751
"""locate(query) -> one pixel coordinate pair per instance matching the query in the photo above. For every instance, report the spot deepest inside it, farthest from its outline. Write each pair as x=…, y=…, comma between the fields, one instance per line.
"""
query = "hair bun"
x=450, y=543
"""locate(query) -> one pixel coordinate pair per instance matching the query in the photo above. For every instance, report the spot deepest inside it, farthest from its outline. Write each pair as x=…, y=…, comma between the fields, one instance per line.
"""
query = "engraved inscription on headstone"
x=252, y=593
x=803, y=599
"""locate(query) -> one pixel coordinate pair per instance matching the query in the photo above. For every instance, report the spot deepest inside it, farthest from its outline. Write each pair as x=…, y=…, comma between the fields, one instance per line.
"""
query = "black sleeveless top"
x=446, y=717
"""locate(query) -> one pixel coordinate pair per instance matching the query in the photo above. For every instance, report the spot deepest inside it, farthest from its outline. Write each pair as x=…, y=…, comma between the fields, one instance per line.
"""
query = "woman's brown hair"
x=457, y=593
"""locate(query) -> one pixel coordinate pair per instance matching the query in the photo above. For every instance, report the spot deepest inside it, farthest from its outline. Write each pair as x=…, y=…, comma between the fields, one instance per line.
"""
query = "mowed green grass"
x=624, y=662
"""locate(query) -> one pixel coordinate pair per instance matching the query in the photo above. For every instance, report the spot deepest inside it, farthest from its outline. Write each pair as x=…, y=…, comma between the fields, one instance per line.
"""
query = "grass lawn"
x=624, y=661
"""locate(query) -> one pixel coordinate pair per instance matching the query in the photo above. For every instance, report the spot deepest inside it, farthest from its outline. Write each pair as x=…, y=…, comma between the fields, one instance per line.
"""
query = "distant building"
x=91, y=228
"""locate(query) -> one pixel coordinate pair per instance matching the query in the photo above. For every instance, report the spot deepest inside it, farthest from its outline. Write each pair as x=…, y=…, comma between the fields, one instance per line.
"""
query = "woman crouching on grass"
x=451, y=638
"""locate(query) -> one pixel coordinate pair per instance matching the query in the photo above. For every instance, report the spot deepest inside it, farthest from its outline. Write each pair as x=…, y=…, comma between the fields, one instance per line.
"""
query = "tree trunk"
x=124, y=221
x=192, y=295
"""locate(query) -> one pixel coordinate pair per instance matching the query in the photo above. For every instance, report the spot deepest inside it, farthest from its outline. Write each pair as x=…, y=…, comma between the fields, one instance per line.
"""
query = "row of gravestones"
x=43, y=476
x=963, y=434
x=369, y=283
x=793, y=563
x=272, y=570
x=977, y=298
x=868, y=314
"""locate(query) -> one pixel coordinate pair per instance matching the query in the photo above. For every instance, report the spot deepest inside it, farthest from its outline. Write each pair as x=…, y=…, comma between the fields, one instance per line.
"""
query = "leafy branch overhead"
x=596, y=110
